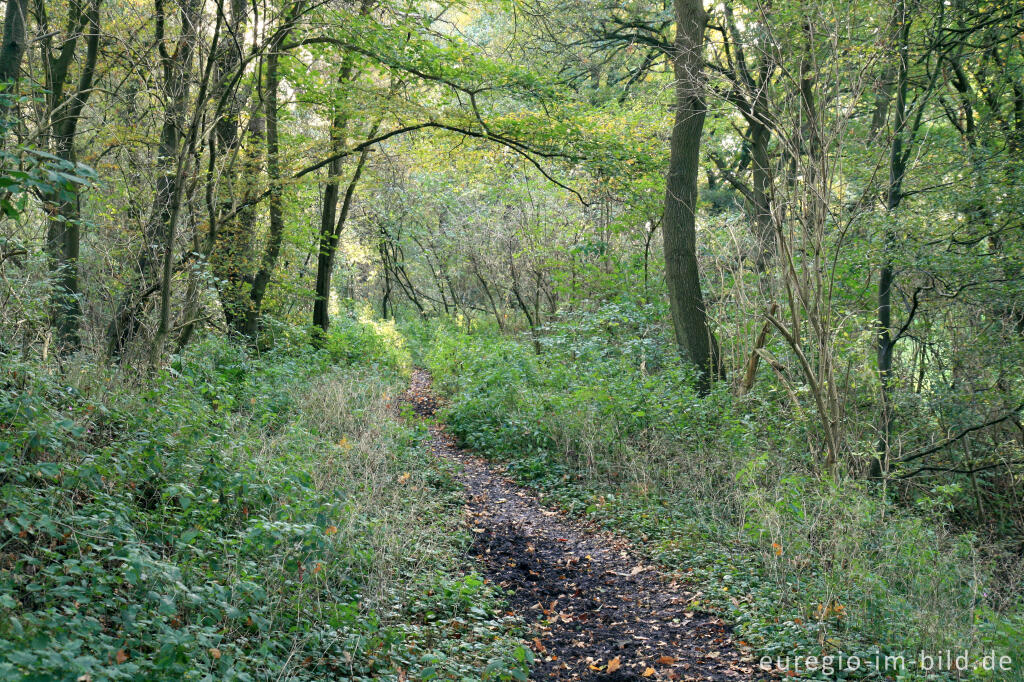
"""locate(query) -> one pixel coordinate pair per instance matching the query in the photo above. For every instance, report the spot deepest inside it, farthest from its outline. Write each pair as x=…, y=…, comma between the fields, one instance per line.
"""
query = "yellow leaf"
x=330, y=530
x=614, y=664
x=404, y=478
x=649, y=672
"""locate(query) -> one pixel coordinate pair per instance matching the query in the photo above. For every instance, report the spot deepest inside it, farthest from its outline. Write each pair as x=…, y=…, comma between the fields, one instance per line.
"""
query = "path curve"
x=596, y=610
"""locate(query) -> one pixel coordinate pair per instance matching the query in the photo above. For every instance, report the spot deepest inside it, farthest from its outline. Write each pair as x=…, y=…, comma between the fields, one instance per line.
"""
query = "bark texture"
x=689, y=318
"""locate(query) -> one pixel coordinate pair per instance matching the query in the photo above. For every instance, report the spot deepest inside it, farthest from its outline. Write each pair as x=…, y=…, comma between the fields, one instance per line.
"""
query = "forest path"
x=596, y=610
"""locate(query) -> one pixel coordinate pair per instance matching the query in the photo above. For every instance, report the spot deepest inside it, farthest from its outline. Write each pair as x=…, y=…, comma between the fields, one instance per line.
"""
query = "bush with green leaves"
x=357, y=338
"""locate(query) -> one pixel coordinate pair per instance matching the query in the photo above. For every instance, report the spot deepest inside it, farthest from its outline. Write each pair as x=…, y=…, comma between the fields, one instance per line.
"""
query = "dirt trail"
x=597, y=611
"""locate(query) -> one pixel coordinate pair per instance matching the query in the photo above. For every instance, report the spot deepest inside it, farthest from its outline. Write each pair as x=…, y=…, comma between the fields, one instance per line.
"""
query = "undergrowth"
x=722, y=491
x=238, y=516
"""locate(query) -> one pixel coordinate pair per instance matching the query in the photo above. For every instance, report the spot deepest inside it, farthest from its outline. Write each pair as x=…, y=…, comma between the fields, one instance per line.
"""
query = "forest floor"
x=595, y=610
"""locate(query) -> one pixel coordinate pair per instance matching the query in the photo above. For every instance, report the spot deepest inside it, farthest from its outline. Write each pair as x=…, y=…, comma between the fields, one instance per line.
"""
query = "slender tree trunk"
x=328, y=246
x=176, y=63
x=385, y=300
x=190, y=131
x=273, y=247
x=887, y=274
x=328, y=217
x=758, y=138
x=63, y=236
x=761, y=174
x=696, y=342
x=232, y=258
x=11, y=52
x=487, y=292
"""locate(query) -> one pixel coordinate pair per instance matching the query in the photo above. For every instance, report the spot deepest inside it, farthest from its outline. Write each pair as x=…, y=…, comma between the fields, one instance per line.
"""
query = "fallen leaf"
x=404, y=478
x=215, y=653
x=120, y=656
x=666, y=660
x=614, y=664
x=649, y=672
x=330, y=530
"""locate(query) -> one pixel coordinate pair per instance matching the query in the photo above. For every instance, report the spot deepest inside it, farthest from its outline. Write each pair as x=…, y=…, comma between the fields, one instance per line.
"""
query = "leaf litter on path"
x=595, y=609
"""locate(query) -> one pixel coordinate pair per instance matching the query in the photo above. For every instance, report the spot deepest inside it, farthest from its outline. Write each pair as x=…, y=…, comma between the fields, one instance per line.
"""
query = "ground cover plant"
x=237, y=516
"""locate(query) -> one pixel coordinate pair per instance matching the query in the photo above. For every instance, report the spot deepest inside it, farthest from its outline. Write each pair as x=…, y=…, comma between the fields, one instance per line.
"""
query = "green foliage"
x=359, y=339
x=232, y=518
x=723, y=491
x=25, y=171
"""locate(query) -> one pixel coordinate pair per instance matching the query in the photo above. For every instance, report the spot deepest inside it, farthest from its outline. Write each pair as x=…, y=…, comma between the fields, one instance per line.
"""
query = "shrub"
x=359, y=339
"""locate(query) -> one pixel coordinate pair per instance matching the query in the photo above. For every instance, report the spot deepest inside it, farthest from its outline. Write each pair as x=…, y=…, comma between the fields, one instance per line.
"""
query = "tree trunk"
x=188, y=135
x=325, y=248
x=696, y=342
x=761, y=174
x=63, y=233
x=273, y=247
x=328, y=246
x=758, y=138
x=63, y=236
x=897, y=169
x=11, y=52
x=232, y=258
x=175, y=81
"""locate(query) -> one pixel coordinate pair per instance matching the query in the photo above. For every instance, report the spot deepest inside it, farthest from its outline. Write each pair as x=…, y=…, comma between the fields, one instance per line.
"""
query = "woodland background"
x=744, y=282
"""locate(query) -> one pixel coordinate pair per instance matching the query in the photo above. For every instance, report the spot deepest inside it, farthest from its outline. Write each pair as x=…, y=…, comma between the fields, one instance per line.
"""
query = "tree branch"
x=949, y=441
